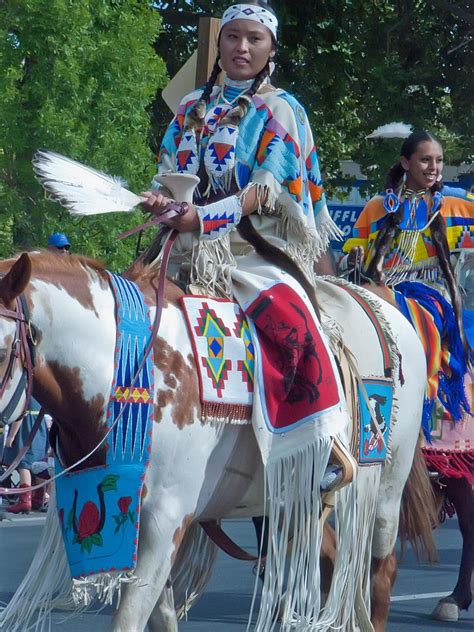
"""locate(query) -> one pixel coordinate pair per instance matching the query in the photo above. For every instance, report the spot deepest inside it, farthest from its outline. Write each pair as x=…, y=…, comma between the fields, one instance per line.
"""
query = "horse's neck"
x=74, y=364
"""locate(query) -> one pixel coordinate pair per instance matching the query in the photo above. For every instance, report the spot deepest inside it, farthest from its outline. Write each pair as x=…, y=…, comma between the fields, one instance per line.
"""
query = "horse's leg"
x=384, y=572
x=460, y=493
x=403, y=441
x=153, y=568
x=163, y=618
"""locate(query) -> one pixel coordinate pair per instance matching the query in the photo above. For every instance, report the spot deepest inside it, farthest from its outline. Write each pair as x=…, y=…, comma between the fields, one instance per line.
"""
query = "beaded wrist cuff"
x=218, y=218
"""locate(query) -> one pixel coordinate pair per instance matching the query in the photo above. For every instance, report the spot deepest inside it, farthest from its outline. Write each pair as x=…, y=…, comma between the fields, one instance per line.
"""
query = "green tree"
x=76, y=78
x=358, y=64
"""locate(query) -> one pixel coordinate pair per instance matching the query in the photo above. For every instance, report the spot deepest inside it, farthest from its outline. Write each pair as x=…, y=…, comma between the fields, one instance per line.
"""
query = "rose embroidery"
x=122, y=518
x=124, y=503
x=87, y=529
x=89, y=520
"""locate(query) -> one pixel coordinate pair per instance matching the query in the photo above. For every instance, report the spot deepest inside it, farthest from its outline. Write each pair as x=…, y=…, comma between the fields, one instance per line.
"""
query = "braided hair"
x=195, y=116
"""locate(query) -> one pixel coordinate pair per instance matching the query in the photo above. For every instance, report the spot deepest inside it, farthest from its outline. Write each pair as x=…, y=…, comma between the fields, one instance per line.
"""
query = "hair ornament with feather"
x=392, y=130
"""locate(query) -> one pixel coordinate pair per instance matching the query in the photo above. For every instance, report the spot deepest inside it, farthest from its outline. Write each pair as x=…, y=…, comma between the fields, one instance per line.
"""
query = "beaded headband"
x=251, y=12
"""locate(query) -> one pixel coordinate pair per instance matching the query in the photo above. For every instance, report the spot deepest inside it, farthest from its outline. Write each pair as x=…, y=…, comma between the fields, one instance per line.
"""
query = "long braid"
x=394, y=176
x=382, y=245
x=277, y=257
x=440, y=242
x=195, y=116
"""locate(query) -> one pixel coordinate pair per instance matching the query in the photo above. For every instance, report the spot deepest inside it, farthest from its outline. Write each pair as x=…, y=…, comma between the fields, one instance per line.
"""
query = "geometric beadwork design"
x=224, y=353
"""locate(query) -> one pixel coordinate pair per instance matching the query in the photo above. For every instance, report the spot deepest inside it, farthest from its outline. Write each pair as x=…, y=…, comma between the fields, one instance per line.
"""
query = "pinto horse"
x=198, y=471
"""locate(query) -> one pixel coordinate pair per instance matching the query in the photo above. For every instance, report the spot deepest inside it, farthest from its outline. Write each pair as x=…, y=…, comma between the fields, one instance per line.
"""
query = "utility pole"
x=208, y=32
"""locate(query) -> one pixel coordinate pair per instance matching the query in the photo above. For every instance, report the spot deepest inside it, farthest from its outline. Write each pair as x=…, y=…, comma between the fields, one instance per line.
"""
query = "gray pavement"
x=225, y=605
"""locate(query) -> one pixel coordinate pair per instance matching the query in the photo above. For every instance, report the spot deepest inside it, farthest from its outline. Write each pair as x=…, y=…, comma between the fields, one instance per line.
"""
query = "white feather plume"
x=82, y=190
x=392, y=130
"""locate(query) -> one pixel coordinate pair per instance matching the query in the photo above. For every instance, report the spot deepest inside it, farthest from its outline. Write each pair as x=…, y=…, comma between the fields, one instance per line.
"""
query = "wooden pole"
x=207, y=48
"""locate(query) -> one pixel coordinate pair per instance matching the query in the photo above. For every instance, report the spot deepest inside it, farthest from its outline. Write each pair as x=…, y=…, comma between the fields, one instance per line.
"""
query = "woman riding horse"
x=407, y=241
x=252, y=148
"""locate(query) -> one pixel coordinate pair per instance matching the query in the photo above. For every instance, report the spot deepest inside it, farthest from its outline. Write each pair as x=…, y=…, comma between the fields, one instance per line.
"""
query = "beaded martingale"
x=99, y=507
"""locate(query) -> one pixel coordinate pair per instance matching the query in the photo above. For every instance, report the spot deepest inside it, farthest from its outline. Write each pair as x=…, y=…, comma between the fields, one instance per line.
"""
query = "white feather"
x=82, y=190
x=392, y=130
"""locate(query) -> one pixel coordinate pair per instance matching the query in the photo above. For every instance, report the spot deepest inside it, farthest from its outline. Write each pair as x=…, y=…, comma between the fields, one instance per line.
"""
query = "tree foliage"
x=76, y=78
x=358, y=64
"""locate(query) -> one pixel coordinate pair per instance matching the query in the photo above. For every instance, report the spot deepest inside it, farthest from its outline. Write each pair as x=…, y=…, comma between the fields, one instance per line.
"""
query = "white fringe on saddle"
x=293, y=487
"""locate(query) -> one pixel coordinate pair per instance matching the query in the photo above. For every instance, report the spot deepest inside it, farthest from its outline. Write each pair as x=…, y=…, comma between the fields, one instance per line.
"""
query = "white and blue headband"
x=252, y=12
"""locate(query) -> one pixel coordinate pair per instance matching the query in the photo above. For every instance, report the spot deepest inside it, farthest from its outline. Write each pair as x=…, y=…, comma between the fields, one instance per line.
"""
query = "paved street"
x=226, y=603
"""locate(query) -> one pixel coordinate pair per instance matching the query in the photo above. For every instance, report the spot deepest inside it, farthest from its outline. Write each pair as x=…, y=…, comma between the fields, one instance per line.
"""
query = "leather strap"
x=214, y=531
x=173, y=209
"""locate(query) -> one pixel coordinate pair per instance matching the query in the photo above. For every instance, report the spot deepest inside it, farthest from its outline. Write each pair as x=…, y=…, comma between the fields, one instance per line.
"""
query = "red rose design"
x=124, y=503
x=88, y=520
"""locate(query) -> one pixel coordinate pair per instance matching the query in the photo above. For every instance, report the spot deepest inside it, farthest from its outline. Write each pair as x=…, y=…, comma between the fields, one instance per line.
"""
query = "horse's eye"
x=3, y=355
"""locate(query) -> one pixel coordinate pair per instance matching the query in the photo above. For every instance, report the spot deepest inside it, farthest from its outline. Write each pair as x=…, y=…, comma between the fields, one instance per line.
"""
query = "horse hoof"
x=445, y=611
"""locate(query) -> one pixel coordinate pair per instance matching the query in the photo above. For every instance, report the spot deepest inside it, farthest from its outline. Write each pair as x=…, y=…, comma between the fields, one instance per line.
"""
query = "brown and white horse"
x=198, y=471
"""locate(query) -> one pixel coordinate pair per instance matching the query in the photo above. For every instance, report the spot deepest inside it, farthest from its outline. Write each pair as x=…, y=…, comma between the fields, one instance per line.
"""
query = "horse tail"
x=419, y=511
x=277, y=257
x=192, y=568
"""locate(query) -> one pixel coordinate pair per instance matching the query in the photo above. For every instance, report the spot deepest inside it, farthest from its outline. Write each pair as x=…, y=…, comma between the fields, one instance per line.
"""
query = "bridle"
x=23, y=352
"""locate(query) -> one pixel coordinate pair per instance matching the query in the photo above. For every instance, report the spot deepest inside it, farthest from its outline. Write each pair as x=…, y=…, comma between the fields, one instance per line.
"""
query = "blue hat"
x=58, y=240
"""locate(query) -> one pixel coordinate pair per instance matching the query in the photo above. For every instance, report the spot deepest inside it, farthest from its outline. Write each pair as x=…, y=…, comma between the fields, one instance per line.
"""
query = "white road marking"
x=419, y=596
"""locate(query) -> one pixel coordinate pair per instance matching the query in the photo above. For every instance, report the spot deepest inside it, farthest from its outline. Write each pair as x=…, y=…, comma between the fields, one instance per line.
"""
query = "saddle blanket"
x=224, y=354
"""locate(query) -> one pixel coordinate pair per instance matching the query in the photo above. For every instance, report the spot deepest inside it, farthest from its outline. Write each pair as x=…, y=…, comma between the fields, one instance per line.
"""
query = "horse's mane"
x=139, y=270
x=44, y=261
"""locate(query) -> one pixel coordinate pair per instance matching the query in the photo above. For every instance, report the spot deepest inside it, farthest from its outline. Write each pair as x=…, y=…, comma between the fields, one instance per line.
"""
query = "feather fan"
x=81, y=189
x=392, y=130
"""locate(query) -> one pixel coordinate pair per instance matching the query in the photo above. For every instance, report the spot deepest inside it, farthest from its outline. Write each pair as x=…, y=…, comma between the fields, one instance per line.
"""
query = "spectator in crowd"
x=59, y=243
x=37, y=451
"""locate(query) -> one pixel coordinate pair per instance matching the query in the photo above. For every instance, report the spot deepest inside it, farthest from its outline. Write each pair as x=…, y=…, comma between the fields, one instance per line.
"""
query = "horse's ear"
x=15, y=281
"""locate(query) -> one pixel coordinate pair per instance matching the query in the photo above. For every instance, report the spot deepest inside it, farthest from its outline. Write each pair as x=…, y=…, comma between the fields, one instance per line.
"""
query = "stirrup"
x=346, y=467
x=341, y=470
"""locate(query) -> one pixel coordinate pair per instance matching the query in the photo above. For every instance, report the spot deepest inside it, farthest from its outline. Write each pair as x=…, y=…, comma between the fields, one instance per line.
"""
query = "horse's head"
x=61, y=310
x=15, y=342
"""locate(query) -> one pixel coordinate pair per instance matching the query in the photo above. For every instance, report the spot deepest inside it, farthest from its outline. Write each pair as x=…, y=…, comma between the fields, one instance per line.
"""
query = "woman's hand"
x=356, y=257
x=154, y=202
x=184, y=223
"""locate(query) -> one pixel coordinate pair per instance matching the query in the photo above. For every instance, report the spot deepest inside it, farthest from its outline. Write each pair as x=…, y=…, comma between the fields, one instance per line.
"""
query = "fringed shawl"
x=274, y=149
x=433, y=319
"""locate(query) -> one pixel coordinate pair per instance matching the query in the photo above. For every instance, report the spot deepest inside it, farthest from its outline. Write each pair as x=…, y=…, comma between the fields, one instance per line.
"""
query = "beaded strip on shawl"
x=275, y=156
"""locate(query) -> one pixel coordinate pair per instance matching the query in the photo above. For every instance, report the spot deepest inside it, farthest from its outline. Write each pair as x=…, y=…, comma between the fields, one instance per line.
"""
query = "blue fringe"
x=451, y=391
x=427, y=415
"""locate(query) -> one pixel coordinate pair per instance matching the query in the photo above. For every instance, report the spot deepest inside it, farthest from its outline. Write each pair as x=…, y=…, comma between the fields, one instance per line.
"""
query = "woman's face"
x=245, y=47
x=424, y=166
